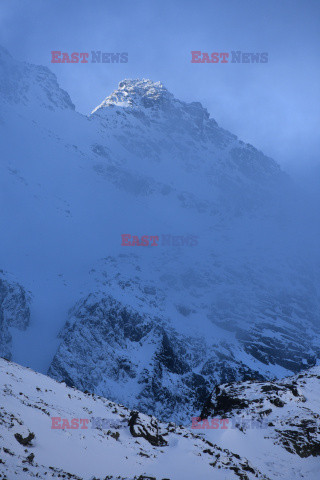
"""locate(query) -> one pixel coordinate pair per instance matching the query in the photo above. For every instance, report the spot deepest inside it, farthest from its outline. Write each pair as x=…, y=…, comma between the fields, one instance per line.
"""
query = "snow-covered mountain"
x=99, y=439
x=154, y=327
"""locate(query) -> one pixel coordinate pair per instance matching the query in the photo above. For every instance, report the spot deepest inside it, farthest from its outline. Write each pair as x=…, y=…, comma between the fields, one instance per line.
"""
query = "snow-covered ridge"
x=133, y=446
x=30, y=85
x=287, y=412
x=180, y=141
x=127, y=445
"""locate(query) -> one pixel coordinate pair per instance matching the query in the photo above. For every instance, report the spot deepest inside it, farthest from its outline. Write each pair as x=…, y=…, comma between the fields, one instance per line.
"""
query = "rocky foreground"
x=49, y=430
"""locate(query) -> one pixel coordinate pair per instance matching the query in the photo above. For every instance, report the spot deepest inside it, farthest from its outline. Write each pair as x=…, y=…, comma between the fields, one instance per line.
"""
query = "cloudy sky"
x=274, y=106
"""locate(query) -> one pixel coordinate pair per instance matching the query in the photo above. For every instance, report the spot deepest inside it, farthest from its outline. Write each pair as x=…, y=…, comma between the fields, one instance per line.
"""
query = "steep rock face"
x=140, y=360
x=162, y=341
x=14, y=312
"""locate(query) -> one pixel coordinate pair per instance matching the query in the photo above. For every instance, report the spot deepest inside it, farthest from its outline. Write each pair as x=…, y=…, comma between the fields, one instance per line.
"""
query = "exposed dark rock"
x=26, y=442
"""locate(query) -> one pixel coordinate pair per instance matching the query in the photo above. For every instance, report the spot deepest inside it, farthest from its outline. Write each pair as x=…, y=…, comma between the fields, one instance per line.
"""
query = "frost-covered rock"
x=285, y=412
x=141, y=360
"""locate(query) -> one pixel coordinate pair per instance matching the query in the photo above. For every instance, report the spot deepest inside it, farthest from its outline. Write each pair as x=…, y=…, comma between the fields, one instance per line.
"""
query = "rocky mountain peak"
x=138, y=94
x=153, y=97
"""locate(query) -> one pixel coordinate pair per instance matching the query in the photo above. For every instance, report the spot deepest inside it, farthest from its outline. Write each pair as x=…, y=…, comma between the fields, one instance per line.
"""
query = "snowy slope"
x=273, y=424
x=112, y=450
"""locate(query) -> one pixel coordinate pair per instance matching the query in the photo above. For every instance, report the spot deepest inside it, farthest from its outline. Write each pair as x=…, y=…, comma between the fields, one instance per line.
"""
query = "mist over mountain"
x=153, y=327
